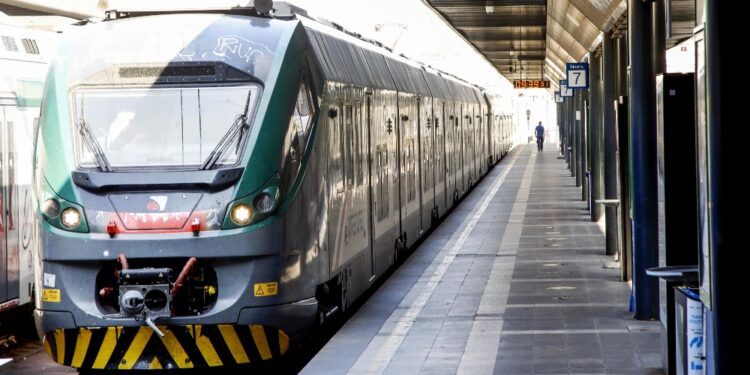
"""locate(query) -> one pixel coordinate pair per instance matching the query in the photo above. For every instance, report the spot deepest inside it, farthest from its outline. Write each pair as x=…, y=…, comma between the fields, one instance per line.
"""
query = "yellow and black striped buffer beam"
x=192, y=346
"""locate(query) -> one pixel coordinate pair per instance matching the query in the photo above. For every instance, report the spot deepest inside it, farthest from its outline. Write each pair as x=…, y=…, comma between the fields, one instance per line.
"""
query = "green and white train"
x=211, y=184
x=24, y=54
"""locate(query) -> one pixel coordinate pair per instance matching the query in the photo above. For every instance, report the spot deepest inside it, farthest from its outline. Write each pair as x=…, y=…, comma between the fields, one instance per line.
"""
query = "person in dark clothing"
x=540, y=137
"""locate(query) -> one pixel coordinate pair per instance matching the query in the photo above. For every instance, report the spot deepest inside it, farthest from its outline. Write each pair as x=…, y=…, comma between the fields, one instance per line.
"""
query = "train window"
x=426, y=163
x=29, y=93
x=162, y=127
x=439, y=157
x=379, y=202
x=411, y=178
x=349, y=161
x=383, y=202
x=304, y=108
x=358, y=144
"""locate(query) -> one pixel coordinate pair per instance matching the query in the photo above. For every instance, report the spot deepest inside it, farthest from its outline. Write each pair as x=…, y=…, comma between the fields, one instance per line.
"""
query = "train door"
x=385, y=181
x=336, y=183
x=9, y=249
x=4, y=285
x=438, y=113
x=425, y=132
x=486, y=150
x=490, y=138
x=411, y=221
x=472, y=144
x=485, y=144
x=367, y=130
x=10, y=204
x=451, y=145
x=463, y=149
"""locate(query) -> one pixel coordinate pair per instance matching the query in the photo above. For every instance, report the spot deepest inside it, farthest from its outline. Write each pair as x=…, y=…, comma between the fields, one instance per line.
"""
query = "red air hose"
x=123, y=265
x=183, y=274
x=123, y=261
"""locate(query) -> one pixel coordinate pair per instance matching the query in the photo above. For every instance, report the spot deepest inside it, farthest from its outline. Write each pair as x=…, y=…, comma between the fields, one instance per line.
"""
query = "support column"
x=643, y=158
x=727, y=233
x=610, y=141
x=571, y=135
x=583, y=108
x=574, y=139
x=579, y=148
x=596, y=136
x=659, y=41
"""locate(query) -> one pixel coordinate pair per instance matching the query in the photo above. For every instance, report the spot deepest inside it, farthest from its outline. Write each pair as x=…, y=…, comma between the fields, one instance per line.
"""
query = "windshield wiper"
x=90, y=141
x=235, y=131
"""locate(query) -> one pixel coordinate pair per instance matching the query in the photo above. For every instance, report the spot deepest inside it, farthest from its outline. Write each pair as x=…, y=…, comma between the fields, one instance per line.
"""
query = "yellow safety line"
x=155, y=364
x=136, y=348
x=233, y=343
x=106, y=349
x=60, y=343
x=261, y=342
x=206, y=348
x=180, y=357
x=283, y=342
x=82, y=345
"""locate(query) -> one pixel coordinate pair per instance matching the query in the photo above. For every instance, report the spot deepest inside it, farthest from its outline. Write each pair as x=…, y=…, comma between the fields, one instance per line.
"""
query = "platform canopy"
x=533, y=39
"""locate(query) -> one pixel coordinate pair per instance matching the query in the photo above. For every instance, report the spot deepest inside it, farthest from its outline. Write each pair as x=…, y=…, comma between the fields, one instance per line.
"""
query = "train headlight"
x=264, y=203
x=70, y=218
x=241, y=214
x=51, y=208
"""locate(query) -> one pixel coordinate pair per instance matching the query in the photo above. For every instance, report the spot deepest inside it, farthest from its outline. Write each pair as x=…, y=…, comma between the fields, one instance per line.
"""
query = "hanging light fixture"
x=488, y=7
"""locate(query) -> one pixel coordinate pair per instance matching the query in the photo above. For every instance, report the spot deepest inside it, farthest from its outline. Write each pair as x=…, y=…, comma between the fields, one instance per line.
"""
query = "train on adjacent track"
x=211, y=184
x=24, y=54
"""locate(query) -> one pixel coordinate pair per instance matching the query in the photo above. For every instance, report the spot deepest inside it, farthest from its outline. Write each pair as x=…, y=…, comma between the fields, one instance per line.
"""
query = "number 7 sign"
x=577, y=75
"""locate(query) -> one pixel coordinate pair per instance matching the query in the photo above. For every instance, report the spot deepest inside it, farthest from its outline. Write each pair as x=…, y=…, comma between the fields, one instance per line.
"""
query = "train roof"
x=348, y=58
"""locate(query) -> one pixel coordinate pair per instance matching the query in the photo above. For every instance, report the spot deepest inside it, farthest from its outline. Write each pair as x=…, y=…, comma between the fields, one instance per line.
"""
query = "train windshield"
x=162, y=127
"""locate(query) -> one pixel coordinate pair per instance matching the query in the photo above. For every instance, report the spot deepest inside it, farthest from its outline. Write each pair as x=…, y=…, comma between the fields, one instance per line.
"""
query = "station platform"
x=514, y=281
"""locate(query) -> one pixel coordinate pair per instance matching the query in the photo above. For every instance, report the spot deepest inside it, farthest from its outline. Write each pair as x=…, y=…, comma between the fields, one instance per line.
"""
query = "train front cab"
x=169, y=190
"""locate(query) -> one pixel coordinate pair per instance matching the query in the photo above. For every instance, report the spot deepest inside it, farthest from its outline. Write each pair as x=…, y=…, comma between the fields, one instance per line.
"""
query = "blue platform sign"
x=565, y=91
x=558, y=98
x=577, y=75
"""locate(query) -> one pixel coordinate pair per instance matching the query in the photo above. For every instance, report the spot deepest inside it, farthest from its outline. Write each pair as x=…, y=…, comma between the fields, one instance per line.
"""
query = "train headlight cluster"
x=61, y=213
x=70, y=218
x=254, y=208
x=241, y=214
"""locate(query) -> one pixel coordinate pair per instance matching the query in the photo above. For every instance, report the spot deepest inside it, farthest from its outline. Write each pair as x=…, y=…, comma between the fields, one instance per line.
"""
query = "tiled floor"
x=515, y=281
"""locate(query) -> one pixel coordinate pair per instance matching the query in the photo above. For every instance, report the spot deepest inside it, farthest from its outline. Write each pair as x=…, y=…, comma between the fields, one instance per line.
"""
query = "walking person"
x=539, y=136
